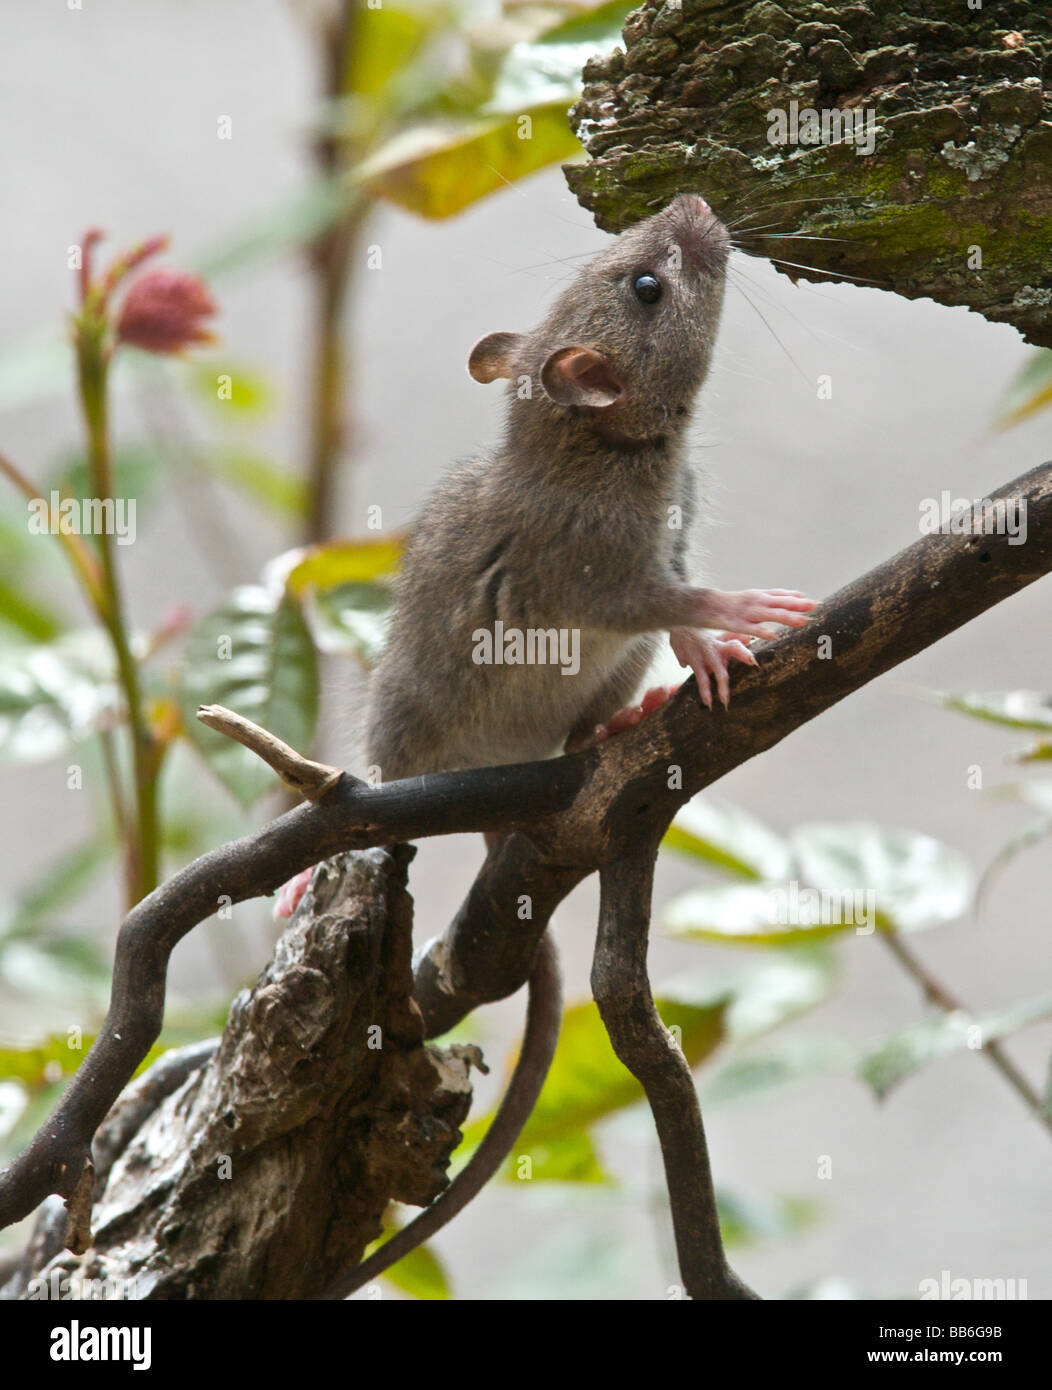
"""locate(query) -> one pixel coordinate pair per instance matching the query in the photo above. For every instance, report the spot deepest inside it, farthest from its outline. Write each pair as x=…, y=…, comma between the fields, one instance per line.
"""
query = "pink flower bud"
x=162, y=312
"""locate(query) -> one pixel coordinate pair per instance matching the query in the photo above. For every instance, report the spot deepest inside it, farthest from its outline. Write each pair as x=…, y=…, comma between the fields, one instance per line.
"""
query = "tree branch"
x=622, y=990
x=580, y=813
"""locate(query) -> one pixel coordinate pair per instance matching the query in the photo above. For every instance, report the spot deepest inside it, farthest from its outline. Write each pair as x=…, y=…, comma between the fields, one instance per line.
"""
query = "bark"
x=953, y=204
x=260, y=1168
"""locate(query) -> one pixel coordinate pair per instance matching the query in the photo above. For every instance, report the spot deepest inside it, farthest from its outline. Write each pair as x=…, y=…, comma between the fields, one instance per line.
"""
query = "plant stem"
x=143, y=860
x=329, y=261
x=81, y=558
x=940, y=996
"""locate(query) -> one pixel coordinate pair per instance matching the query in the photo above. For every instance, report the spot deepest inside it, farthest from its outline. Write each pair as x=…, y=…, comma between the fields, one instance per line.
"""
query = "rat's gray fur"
x=567, y=525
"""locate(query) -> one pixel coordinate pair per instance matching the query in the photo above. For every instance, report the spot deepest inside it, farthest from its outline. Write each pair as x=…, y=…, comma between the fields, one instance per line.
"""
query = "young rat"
x=538, y=578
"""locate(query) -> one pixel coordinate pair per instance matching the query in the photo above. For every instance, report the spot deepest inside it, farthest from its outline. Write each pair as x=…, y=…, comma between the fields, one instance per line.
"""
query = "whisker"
x=819, y=270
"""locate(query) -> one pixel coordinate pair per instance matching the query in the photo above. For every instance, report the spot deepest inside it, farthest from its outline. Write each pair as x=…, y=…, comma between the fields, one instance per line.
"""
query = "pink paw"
x=632, y=715
x=746, y=612
x=290, y=894
x=708, y=657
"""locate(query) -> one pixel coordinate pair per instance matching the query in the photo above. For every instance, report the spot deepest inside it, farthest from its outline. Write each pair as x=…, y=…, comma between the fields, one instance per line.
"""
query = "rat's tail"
x=543, y=1016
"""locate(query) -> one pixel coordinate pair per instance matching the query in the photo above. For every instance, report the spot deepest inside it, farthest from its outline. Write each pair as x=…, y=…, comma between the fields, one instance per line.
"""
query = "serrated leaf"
x=587, y=1082
x=1029, y=393
x=352, y=619
x=751, y=1074
x=887, y=1064
x=437, y=169
x=548, y=70
x=728, y=838
x=915, y=881
x=761, y=914
x=1016, y=709
x=55, y=694
x=254, y=654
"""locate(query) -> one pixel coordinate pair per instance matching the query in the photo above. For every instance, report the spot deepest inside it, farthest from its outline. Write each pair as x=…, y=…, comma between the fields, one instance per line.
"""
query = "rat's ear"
x=581, y=376
x=494, y=356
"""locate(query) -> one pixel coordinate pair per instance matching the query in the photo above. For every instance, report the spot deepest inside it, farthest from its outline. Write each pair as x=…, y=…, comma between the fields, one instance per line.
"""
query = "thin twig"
x=938, y=994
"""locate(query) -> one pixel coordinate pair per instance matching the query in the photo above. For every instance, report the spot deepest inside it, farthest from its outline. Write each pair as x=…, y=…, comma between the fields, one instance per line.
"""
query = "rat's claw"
x=709, y=656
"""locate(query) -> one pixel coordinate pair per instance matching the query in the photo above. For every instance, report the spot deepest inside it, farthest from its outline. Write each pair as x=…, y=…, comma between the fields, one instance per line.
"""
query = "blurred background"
x=113, y=116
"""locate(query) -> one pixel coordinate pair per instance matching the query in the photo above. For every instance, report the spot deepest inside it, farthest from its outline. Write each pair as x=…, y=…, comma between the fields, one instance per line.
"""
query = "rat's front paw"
x=708, y=657
x=745, y=613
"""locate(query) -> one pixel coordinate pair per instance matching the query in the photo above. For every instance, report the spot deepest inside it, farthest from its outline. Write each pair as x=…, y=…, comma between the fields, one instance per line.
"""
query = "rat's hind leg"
x=608, y=711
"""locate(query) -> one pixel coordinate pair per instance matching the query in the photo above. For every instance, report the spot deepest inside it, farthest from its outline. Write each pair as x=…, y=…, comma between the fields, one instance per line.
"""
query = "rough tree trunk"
x=962, y=112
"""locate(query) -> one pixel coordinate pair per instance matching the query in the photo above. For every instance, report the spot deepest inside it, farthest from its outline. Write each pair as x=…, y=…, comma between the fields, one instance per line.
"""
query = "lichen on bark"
x=954, y=202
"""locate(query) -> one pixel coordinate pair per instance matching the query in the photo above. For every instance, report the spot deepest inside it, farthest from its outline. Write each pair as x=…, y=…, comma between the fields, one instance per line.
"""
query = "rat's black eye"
x=647, y=288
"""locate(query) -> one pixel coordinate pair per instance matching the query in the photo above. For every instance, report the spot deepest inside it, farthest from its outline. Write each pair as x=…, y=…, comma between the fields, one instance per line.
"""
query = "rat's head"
x=627, y=345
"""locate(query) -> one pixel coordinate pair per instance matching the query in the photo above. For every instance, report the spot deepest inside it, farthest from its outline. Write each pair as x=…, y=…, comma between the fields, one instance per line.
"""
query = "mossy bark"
x=954, y=202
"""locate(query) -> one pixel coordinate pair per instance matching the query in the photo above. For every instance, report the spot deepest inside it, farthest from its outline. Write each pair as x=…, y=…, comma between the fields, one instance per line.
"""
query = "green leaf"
x=437, y=168
x=1016, y=709
x=232, y=389
x=64, y=878
x=56, y=967
x=915, y=881
x=33, y=368
x=750, y=1220
x=587, y=1082
x=750, y=1074
x=23, y=1122
x=547, y=70
x=782, y=987
x=27, y=615
x=571, y=1265
x=306, y=215
x=1040, y=752
x=888, y=1063
x=419, y=1273
x=138, y=472
x=266, y=482
x=55, y=694
x=337, y=562
x=385, y=39
x=52, y=1060
x=352, y=619
x=254, y=655
x=760, y=914
x=728, y=838
x=1030, y=392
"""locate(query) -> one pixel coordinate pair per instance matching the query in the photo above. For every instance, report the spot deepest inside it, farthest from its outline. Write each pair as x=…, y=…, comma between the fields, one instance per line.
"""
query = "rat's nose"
x=698, y=230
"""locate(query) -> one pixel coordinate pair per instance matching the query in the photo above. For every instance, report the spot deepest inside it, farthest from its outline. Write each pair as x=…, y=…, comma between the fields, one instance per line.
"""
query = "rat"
x=538, y=578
